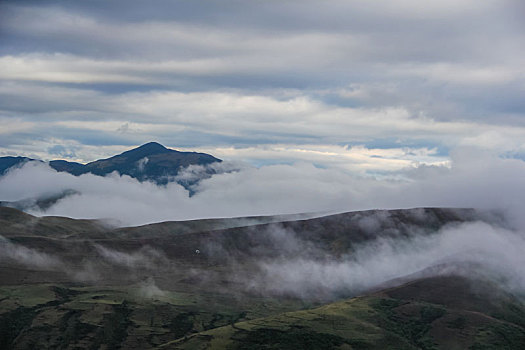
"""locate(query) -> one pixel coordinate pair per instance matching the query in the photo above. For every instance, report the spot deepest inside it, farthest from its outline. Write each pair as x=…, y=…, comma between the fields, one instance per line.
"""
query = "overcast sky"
x=363, y=86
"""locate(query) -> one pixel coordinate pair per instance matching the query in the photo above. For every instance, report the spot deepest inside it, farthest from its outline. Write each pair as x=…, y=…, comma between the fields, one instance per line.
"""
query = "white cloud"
x=357, y=159
x=474, y=179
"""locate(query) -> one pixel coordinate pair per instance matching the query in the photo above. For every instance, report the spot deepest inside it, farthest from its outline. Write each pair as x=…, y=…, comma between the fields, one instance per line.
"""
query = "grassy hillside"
x=444, y=312
x=432, y=313
x=72, y=317
x=80, y=284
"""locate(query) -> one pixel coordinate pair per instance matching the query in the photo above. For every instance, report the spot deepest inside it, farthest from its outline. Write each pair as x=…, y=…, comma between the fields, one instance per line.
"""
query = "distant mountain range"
x=149, y=162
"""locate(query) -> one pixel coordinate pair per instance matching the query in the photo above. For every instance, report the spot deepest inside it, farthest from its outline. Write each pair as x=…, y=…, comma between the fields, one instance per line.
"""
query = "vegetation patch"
x=72, y=329
x=512, y=312
x=412, y=328
x=64, y=294
x=500, y=336
x=181, y=324
x=27, y=295
x=13, y=323
x=297, y=338
x=457, y=323
x=114, y=328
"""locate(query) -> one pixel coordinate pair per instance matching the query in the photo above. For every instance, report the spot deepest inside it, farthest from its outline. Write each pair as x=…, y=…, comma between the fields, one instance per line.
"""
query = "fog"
x=145, y=258
x=288, y=263
x=474, y=179
x=132, y=267
x=475, y=249
x=27, y=257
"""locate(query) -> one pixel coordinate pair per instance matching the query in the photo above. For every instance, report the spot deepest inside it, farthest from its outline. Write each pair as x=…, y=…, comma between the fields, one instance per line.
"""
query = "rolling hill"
x=81, y=284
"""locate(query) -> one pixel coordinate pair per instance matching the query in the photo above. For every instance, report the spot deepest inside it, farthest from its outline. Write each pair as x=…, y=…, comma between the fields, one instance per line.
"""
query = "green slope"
x=446, y=312
x=432, y=313
x=50, y=316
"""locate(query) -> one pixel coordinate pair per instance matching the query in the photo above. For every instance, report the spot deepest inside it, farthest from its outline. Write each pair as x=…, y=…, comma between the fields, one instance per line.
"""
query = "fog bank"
x=474, y=179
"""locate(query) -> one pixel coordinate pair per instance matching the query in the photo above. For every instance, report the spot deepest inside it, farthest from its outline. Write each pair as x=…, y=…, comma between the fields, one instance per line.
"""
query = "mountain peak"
x=153, y=147
x=146, y=149
x=162, y=163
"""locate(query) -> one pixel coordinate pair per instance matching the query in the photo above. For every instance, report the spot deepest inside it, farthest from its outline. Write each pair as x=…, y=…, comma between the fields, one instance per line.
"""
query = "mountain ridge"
x=148, y=162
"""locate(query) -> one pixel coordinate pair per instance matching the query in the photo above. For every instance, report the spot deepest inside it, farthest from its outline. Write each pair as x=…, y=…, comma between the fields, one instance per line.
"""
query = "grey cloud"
x=213, y=73
x=375, y=29
x=341, y=16
x=236, y=118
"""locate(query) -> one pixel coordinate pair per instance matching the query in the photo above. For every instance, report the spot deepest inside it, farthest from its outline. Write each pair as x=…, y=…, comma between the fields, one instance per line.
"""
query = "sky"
x=314, y=106
x=365, y=87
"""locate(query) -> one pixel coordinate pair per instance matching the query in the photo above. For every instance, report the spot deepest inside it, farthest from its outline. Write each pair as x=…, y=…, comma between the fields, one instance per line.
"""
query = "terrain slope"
x=81, y=284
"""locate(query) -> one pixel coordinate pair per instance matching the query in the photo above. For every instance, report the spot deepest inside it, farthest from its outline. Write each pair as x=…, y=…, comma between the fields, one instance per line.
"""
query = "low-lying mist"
x=290, y=263
x=99, y=264
x=470, y=249
x=473, y=180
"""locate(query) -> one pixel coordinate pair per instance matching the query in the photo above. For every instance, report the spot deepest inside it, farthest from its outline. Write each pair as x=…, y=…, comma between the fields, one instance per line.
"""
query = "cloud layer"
x=263, y=80
x=474, y=179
